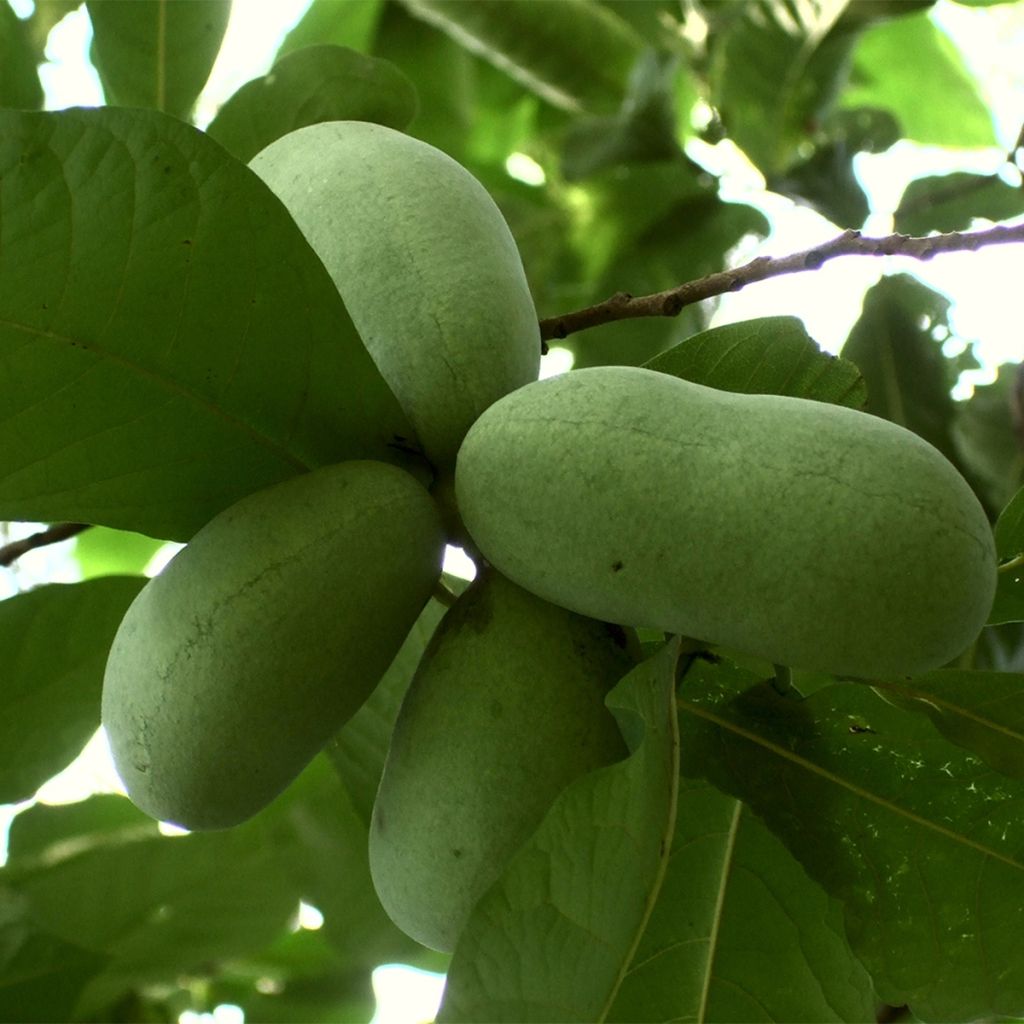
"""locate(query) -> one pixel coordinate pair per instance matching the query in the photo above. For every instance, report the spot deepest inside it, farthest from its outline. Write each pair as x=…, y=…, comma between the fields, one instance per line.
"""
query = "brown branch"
x=623, y=306
x=10, y=553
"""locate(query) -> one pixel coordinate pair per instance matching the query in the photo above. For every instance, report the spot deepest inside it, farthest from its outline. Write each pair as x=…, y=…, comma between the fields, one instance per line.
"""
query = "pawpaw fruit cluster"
x=234, y=667
x=600, y=501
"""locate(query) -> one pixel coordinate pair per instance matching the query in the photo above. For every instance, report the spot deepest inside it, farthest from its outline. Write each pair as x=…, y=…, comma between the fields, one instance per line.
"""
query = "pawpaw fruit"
x=809, y=534
x=424, y=262
x=235, y=665
x=505, y=710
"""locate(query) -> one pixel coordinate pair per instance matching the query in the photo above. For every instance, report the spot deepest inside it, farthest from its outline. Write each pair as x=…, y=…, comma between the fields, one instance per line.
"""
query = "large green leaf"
x=909, y=67
x=316, y=83
x=322, y=845
x=1000, y=648
x=168, y=912
x=774, y=75
x=739, y=932
x=575, y=54
x=949, y=202
x=360, y=749
x=772, y=355
x=352, y=23
x=988, y=432
x=552, y=938
x=921, y=841
x=19, y=77
x=909, y=380
x=300, y=979
x=105, y=819
x=156, y=53
x=1009, y=603
x=41, y=976
x=827, y=181
x=980, y=711
x=643, y=129
x=157, y=906
x=53, y=647
x=168, y=339
x=642, y=229
x=443, y=73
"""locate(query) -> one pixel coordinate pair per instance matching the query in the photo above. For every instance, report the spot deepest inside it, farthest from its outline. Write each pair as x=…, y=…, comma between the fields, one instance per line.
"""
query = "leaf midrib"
x=943, y=704
x=716, y=921
x=666, y=851
x=161, y=56
x=858, y=791
x=169, y=385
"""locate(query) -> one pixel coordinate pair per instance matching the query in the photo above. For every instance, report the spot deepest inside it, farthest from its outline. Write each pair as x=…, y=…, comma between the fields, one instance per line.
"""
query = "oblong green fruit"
x=809, y=534
x=235, y=665
x=425, y=263
x=506, y=709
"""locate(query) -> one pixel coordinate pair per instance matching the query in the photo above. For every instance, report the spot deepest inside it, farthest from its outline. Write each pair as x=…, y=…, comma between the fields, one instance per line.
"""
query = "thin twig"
x=623, y=306
x=10, y=553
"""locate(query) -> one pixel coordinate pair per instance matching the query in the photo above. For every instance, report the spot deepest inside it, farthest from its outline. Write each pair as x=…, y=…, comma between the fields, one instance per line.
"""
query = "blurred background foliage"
x=600, y=127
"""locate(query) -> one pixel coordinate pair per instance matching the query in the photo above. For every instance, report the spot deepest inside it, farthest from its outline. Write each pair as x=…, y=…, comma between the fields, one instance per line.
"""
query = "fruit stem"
x=782, y=684
x=444, y=595
x=1014, y=563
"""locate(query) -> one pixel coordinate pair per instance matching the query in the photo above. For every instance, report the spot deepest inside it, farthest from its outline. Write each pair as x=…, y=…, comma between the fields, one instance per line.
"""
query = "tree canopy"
x=775, y=843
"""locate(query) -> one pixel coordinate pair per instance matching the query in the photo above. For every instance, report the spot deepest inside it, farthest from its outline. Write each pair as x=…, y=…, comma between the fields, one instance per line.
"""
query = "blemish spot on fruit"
x=456, y=852
x=616, y=566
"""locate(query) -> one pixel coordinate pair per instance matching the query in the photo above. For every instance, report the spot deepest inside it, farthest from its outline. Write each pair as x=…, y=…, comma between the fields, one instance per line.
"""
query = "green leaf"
x=442, y=72
x=360, y=749
x=1009, y=531
x=658, y=22
x=1000, y=648
x=739, y=932
x=156, y=53
x=894, y=344
x=100, y=551
x=983, y=712
x=159, y=906
x=642, y=229
x=987, y=432
x=169, y=339
x=300, y=979
x=575, y=54
x=920, y=840
x=909, y=67
x=53, y=646
x=774, y=74
x=316, y=83
x=19, y=62
x=353, y=23
x=552, y=939
x=772, y=355
x=41, y=976
x=826, y=181
x=949, y=202
x=106, y=819
x=321, y=843
x=644, y=129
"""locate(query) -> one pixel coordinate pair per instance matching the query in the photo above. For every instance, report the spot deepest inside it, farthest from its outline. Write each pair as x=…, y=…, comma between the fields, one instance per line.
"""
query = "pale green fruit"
x=808, y=534
x=506, y=709
x=425, y=263
x=235, y=665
